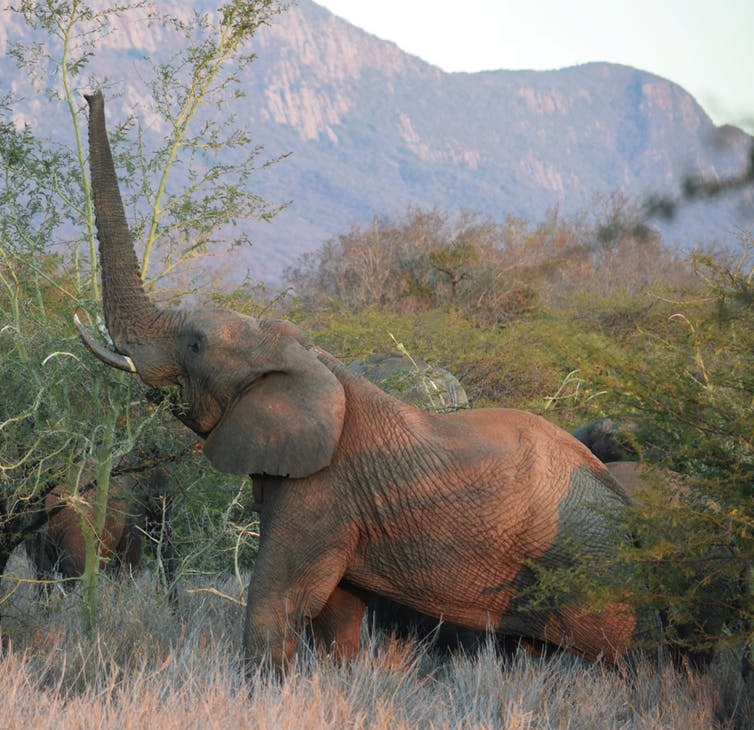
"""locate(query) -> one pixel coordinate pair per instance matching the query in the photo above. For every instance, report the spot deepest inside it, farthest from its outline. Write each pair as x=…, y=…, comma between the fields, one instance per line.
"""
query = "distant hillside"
x=372, y=129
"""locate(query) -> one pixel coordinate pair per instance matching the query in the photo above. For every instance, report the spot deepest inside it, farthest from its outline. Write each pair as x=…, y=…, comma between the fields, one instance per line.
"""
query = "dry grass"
x=148, y=668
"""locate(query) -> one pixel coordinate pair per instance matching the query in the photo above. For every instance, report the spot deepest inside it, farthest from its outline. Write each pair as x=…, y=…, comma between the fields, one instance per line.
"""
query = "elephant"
x=58, y=547
x=454, y=515
x=715, y=578
x=610, y=440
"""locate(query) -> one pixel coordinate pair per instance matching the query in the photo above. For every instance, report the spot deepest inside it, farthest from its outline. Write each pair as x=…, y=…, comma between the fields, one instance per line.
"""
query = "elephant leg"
x=42, y=554
x=337, y=628
x=605, y=633
x=282, y=599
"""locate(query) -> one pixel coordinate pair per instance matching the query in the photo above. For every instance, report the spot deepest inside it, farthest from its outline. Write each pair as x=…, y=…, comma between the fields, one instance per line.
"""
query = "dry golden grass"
x=149, y=668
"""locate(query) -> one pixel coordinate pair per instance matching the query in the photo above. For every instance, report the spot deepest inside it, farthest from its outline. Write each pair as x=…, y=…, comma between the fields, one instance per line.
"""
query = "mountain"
x=372, y=130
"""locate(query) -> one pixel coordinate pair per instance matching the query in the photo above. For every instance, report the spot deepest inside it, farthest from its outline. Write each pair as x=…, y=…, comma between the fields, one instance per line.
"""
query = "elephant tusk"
x=114, y=359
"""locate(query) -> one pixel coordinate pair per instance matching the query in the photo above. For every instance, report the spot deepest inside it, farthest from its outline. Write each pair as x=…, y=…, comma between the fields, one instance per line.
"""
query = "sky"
x=706, y=46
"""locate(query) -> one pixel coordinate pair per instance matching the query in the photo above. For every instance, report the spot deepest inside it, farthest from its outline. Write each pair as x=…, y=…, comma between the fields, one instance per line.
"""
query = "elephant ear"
x=286, y=423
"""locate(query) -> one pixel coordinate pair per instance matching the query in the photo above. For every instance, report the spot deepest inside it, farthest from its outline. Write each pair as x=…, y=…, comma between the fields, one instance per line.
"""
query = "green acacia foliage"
x=690, y=382
x=64, y=418
x=44, y=434
x=53, y=401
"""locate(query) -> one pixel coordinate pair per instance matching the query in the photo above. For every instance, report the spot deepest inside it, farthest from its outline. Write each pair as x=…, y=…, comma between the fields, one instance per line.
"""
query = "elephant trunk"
x=130, y=316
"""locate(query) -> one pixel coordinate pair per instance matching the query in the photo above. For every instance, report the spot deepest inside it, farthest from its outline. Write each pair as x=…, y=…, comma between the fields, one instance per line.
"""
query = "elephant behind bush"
x=610, y=439
x=702, y=582
x=133, y=518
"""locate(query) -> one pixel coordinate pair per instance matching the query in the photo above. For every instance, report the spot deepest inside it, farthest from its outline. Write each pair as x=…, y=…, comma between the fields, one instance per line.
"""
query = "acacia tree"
x=27, y=455
x=46, y=195
x=685, y=377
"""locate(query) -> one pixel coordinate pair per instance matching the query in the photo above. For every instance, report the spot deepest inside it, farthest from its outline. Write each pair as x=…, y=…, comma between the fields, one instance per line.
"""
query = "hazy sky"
x=706, y=46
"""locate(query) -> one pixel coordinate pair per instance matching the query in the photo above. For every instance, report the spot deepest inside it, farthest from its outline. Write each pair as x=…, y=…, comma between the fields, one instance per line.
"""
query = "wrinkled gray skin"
x=448, y=514
x=436, y=390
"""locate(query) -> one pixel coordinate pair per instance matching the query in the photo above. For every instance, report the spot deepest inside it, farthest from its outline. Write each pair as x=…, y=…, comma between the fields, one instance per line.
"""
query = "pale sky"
x=706, y=46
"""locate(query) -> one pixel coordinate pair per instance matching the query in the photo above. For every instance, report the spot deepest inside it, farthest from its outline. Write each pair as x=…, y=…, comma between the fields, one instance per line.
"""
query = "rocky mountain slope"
x=372, y=129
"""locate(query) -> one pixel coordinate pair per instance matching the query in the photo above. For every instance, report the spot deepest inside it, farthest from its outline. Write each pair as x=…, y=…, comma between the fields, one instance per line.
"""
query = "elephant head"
x=239, y=377
x=610, y=440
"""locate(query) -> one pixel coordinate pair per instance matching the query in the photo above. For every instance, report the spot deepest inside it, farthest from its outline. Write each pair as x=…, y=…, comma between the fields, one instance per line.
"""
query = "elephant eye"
x=194, y=346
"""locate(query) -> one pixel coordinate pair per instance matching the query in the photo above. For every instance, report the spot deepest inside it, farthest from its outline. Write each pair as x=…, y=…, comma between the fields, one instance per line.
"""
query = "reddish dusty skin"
x=61, y=541
x=444, y=531
x=361, y=492
x=606, y=633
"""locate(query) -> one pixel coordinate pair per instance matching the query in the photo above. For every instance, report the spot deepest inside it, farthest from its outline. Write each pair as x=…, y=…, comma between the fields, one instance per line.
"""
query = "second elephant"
x=609, y=439
x=703, y=584
x=138, y=511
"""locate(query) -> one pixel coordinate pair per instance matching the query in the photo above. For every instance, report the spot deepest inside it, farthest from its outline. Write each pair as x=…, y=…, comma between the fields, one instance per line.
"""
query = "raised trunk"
x=129, y=313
